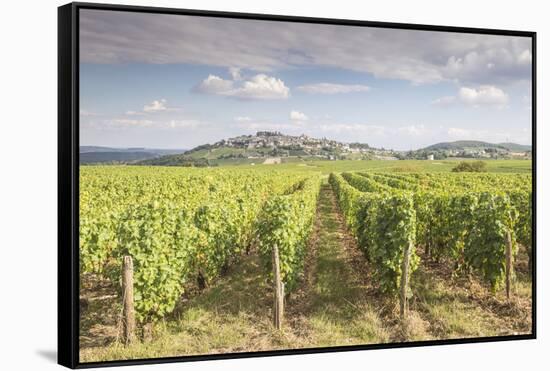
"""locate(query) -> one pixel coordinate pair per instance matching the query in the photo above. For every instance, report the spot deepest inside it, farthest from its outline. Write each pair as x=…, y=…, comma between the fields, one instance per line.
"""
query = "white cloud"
x=525, y=57
x=214, y=85
x=235, y=73
x=483, y=95
x=134, y=113
x=131, y=123
x=298, y=116
x=182, y=124
x=260, y=87
x=242, y=119
x=411, y=55
x=127, y=123
x=329, y=88
x=491, y=63
x=155, y=106
x=413, y=130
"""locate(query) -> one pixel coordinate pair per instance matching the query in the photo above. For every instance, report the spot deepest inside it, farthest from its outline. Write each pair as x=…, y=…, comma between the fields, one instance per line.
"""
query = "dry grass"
x=462, y=306
x=409, y=168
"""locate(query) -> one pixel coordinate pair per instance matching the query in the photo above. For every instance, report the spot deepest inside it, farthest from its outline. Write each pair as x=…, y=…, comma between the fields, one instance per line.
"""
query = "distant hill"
x=264, y=147
x=514, y=147
x=461, y=145
x=274, y=147
x=117, y=156
x=86, y=149
x=100, y=154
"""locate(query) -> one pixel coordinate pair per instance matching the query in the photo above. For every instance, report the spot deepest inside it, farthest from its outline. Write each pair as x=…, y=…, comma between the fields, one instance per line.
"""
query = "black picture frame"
x=68, y=178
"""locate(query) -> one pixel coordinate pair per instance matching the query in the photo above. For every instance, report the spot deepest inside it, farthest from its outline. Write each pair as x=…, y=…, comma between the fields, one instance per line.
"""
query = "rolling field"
x=369, y=252
x=327, y=167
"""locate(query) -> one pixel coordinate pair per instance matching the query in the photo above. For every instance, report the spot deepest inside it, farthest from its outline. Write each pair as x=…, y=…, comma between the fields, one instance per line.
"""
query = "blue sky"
x=164, y=81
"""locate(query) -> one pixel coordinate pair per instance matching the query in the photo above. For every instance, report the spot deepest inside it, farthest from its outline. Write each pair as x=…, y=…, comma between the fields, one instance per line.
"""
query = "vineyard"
x=186, y=227
x=474, y=221
x=366, y=256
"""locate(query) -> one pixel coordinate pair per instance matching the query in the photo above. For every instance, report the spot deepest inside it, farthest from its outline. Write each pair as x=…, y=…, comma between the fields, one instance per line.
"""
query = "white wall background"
x=28, y=181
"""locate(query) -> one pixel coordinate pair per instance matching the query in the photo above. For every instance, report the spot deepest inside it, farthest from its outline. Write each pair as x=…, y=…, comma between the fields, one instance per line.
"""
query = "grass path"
x=337, y=311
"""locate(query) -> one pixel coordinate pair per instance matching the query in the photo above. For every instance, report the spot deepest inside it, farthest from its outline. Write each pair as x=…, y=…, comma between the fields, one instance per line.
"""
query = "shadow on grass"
x=231, y=316
x=245, y=288
x=462, y=306
x=99, y=312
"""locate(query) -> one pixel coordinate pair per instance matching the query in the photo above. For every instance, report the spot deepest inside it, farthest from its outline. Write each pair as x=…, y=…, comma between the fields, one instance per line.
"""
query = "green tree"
x=471, y=167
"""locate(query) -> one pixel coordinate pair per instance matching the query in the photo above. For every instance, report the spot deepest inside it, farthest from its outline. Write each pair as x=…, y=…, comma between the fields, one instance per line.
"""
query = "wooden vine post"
x=405, y=280
x=509, y=265
x=429, y=244
x=278, y=289
x=129, y=319
x=147, y=332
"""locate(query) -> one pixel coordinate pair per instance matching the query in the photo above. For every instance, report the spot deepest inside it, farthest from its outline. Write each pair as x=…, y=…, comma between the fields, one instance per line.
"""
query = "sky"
x=172, y=81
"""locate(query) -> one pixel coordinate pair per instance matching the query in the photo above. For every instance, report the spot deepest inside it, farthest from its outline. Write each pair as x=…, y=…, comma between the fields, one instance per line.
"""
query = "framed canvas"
x=243, y=185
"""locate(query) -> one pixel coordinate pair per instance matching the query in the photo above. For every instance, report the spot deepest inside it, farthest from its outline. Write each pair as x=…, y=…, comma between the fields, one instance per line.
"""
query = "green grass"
x=450, y=314
x=231, y=316
x=461, y=306
x=326, y=167
x=337, y=312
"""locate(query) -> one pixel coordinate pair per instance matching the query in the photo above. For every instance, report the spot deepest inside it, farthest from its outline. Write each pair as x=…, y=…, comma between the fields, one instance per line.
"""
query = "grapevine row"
x=287, y=221
x=384, y=223
x=178, y=226
x=472, y=226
